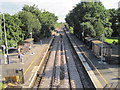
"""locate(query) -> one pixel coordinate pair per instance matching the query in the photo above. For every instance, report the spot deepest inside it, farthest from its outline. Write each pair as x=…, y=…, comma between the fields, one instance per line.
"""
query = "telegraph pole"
x=7, y=58
x=5, y=35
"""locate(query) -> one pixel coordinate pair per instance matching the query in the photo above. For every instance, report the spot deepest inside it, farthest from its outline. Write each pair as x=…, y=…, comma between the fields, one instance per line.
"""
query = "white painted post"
x=5, y=35
x=102, y=48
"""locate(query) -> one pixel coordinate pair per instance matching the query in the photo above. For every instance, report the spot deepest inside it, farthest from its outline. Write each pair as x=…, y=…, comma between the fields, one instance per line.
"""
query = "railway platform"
x=107, y=74
x=29, y=64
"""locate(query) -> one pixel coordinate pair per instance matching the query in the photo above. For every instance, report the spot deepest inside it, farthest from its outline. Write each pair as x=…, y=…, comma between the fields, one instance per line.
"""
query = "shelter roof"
x=28, y=40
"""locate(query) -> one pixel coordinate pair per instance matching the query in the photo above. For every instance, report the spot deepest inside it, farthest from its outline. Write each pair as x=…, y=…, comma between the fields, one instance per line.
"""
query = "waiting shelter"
x=25, y=46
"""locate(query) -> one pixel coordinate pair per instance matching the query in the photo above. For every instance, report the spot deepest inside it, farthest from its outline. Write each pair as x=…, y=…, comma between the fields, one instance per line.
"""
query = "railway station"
x=61, y=63
x=80, y=52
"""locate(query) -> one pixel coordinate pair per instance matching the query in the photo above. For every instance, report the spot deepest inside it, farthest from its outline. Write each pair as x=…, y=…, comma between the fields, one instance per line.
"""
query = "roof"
x=28, y=40
x=89, y=38
x=96, y=42
x=99, y=43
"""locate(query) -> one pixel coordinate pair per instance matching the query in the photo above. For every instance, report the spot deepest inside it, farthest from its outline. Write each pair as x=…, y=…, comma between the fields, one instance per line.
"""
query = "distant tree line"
x=93, y=19
x=30, y=20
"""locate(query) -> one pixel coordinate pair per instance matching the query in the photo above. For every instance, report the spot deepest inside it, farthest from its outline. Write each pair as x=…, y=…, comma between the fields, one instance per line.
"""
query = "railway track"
x=96, y=75
x=60, y=69
x=67, y=66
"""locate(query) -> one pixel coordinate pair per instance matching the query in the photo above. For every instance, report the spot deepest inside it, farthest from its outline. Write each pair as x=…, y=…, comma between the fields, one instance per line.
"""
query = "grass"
x=57, y=25
x=71, y=30
x=2, y=86
x=1, y=52
x=111, y=39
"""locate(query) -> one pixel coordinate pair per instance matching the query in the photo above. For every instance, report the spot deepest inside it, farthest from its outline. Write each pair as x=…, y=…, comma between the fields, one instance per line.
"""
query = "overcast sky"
x=59, y=7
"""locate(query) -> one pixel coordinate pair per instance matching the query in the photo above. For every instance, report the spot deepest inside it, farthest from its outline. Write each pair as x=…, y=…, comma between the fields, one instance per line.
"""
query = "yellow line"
x=101, y=75
x=31, y=64
x=99, y=72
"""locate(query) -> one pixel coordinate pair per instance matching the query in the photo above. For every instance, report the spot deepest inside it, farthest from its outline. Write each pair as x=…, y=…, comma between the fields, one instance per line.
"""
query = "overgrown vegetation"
x=93, y=19
x=29, y=21
x=2, y=86
x=57, y=25
x=112, y=40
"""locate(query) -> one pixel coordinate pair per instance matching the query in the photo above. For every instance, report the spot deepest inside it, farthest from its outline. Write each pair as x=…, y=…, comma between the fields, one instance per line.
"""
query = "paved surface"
x=29, y=61
x=108, y=74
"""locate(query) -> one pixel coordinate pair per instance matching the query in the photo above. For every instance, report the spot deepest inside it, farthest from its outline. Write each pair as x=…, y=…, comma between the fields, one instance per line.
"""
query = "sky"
x=59, y=7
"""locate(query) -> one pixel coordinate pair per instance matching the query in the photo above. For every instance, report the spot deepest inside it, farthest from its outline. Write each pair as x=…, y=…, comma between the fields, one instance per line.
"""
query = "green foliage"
x=30, y=23
x=113, y=20
x=85, y=16
x=99, y=28
x=46, y=19
x=118, y=20
x=118, y=25
x=88, y=29
x=108, y=31
x=13, y=30
x=71, y=29
x=110, y=40
x=30, y=19
x=2, y=86
x=56, y=25
x=1, y=32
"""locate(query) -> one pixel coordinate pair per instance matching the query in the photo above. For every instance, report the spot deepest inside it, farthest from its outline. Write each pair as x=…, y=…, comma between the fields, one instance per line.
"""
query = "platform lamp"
x=31, y=34
x=102, y=58
x=83, y=35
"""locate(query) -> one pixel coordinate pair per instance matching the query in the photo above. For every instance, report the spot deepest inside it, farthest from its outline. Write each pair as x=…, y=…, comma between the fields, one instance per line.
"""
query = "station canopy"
x=28, y=40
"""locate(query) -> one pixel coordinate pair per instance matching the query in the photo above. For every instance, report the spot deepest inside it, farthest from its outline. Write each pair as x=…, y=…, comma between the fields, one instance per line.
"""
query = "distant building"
x=90, y=0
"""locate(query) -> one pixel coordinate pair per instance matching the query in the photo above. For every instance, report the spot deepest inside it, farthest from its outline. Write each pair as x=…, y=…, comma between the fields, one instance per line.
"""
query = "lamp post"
x=5, y=35
x=31, y=34
x=3, y=50
x=7, y=57
x=83, y=34
x=102, y=58
x=31, y=37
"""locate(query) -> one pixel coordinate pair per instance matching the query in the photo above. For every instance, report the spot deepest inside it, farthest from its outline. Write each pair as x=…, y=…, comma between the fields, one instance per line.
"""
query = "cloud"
x=59, y=7
x=110, y=3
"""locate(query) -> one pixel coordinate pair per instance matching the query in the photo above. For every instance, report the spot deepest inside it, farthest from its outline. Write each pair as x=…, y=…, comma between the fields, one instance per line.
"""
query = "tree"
x=89, y=12
x=113, y=19
x=13, y=30
x=88, y=29
x=99, y=28
x=30, y=24
x=30, y=19
x=46, y=19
